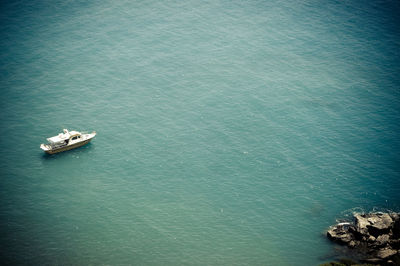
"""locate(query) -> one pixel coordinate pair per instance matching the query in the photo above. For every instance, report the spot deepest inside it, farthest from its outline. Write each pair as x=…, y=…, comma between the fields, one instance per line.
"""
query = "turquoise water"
x=229, y=132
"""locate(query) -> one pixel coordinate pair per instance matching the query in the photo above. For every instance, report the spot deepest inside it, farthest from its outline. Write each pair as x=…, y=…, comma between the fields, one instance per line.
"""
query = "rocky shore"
x=374, y=236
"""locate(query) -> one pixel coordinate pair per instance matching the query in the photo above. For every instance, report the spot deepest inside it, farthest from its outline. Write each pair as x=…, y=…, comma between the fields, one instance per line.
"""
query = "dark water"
x=229, y=132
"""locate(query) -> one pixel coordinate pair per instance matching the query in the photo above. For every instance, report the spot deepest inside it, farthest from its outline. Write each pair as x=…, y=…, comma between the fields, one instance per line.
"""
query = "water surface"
x=229, y=132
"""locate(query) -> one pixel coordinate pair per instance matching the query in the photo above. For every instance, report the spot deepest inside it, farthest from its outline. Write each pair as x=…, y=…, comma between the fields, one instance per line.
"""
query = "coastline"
x=373, y=237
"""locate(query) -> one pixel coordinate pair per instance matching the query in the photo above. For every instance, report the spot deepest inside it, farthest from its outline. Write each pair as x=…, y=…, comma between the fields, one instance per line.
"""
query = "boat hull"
x=69, y=147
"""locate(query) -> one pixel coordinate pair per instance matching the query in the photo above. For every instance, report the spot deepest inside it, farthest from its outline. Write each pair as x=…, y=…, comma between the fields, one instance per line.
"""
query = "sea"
x=228, y=132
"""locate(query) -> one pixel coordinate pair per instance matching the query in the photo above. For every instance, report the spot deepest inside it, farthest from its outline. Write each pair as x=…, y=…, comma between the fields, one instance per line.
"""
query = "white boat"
x=67, y=141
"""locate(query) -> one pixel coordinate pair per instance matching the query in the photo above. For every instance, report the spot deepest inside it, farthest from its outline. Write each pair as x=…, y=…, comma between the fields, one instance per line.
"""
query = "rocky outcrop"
x=374, y=235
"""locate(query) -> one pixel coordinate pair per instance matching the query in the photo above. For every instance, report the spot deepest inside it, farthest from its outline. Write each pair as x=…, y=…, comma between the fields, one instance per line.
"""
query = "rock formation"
x=374, y=235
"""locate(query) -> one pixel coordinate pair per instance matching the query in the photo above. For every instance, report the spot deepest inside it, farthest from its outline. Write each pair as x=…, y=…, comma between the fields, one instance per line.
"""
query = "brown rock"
x=386, y=253
x=361, y=224
x=380, y=221
x=382, y=240
x=394, y=216
x=372, y=261
x=375, y=235
x=396, y=228
x=395, y=243
x=340, y=234
x=353, y=244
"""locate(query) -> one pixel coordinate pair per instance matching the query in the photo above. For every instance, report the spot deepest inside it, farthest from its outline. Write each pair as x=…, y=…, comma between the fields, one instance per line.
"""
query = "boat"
x=66, y=141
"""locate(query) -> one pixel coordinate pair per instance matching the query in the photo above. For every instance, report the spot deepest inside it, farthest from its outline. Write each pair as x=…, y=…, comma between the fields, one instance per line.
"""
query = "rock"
x=395, y=243
x=374, y=236
x=361, y=224
x=340, y=234
x=394, y=216
x=379, y=224
x=396, y=227
x=385, y=253
x=371, y=261
x=354, y=244
x=382, y=240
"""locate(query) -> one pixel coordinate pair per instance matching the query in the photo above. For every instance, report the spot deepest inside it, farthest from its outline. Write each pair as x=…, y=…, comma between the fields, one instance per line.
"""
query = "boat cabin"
x=63, y=139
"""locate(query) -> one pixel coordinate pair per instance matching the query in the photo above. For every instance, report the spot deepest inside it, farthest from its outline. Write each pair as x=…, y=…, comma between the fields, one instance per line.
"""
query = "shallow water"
x=229, y=133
